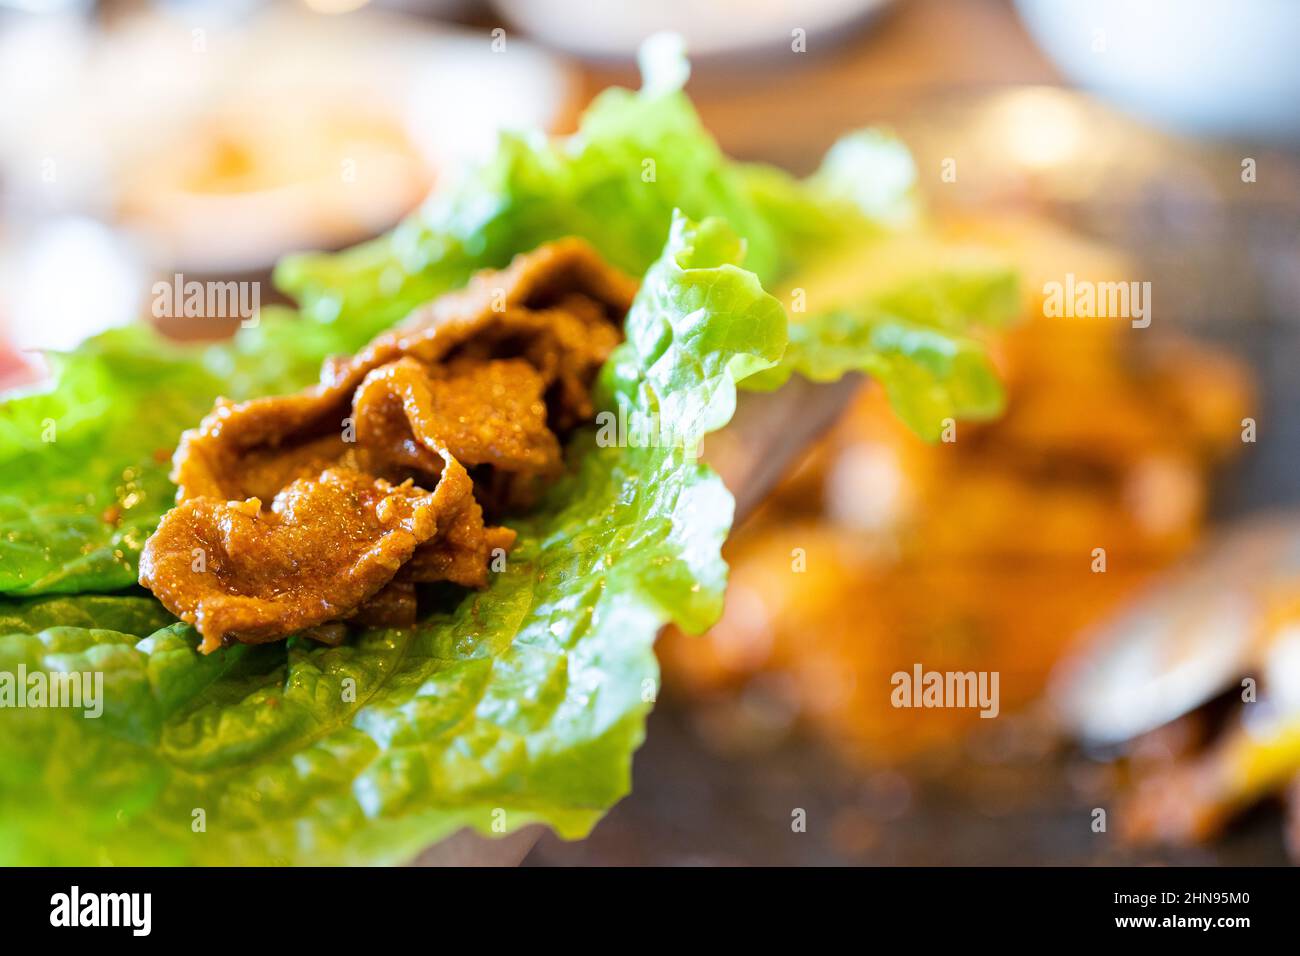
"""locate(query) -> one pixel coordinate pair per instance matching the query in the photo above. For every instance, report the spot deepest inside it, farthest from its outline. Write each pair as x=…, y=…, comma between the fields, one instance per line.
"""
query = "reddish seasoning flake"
x=162, y=455
x=112, y=515
x=273, y=702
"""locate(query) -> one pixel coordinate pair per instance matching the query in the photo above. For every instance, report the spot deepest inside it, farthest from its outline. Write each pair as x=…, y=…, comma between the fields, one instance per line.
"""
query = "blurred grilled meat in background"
x=882, y=550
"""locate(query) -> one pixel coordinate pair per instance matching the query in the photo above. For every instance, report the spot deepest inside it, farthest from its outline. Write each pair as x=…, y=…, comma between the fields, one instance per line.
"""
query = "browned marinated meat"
x=394, y=606
x=484, y=382
x=462, y=551
x=239, y=572
x=252, y=449
x=514, y=313
x=488, y=413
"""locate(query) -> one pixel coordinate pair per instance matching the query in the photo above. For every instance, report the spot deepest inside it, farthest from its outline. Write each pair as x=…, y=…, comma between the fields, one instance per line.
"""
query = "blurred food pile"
x=211, y=139
x=990, y=552
x=1194, y=692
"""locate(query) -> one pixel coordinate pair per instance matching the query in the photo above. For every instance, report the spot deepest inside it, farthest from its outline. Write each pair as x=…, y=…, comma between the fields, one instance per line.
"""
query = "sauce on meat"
x=295, y=513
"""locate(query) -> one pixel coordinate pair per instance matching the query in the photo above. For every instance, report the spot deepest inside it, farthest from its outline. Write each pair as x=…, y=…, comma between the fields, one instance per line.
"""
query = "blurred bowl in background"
x=236, y=189
x=1216, y=67
x=615, y=30
x=207, y=142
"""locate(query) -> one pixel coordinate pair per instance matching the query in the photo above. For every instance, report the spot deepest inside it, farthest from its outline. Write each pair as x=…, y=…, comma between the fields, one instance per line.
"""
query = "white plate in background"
x=614, y=29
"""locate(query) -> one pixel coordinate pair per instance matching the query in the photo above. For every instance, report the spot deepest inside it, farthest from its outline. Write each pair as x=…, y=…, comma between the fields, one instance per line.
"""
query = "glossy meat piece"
x=558, y=308
x=462, y=552
x=238, y=572
x=487, y=379
x=393, y=606
x=252, y=449
x=485, y=414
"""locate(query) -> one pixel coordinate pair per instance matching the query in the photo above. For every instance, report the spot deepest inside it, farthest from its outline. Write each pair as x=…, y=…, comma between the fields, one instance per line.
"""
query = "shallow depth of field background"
x=1113, y=141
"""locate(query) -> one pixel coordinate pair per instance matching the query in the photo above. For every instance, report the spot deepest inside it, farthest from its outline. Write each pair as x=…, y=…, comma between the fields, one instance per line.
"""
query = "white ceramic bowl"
x=1217, y=67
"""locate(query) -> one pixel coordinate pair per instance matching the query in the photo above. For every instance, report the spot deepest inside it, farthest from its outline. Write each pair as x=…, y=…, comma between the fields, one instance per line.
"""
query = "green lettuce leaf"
x=84, y=463
x=636, y=157
x=519, y=704
x=864, y=188
x=904, y=309
x=522, y=703
x=930, y=377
